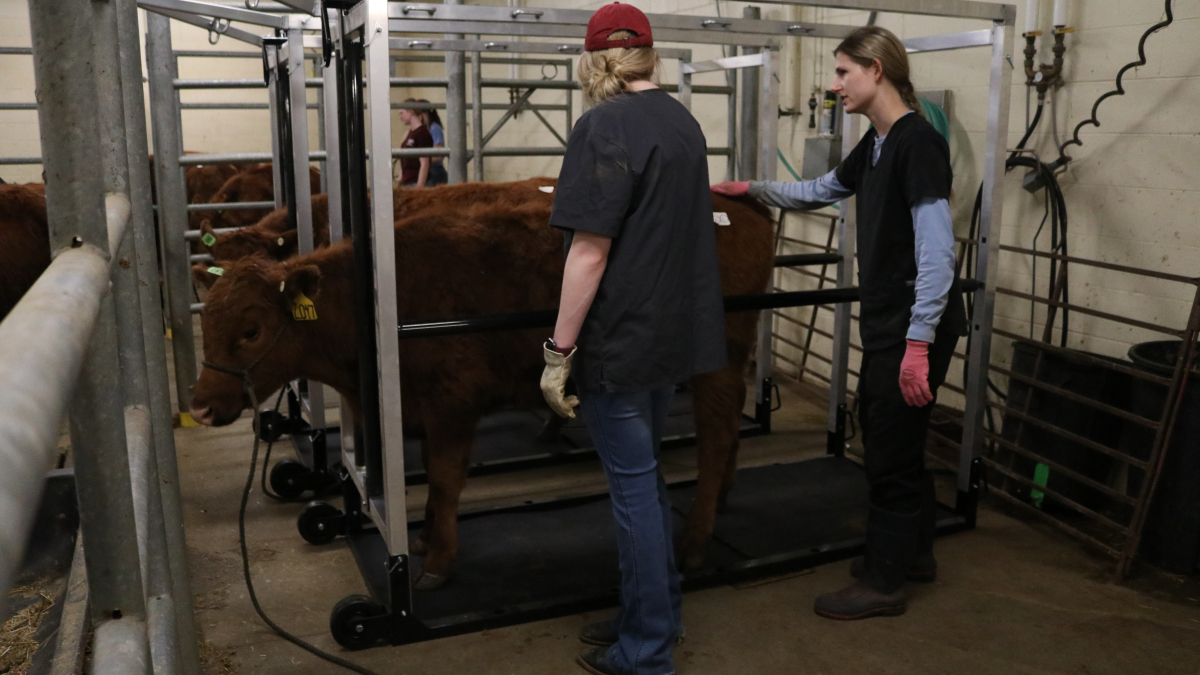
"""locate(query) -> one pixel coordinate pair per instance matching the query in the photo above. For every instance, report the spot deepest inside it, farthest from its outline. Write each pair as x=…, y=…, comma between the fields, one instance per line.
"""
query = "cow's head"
x=246, y=242
x=247, y=324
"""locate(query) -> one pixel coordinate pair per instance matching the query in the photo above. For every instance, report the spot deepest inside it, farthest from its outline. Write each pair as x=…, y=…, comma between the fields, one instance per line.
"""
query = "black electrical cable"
x=315, y=651
x=1120, y=90
x=1037, y=117
x=267, y=458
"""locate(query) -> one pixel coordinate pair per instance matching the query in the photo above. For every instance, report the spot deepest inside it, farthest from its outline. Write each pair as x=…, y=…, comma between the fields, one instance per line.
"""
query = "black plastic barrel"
x=1077, y=375
x=1171, y=538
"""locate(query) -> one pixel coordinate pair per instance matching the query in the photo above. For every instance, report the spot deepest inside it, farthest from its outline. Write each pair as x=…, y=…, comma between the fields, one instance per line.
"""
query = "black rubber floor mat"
x=788, y=507
x=553, y=551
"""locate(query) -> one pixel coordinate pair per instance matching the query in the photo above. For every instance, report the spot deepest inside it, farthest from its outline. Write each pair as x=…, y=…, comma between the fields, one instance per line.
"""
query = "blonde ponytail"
x=604, y=74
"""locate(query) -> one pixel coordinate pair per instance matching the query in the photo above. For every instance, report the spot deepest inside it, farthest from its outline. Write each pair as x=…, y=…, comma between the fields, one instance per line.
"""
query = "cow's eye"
x=250, y=334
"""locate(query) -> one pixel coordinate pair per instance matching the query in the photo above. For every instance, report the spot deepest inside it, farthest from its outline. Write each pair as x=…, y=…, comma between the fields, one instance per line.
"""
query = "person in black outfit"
x=911, y=309
x=640, y=311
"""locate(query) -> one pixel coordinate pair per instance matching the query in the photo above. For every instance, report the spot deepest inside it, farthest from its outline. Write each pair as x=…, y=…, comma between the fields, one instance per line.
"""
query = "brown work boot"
x=860, y=601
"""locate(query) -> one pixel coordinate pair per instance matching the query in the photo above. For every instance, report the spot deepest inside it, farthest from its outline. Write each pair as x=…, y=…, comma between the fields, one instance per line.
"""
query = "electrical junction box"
x=821, y=155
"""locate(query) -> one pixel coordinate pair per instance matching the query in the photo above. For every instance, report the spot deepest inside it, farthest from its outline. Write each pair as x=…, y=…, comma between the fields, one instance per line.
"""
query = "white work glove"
x=554, y=382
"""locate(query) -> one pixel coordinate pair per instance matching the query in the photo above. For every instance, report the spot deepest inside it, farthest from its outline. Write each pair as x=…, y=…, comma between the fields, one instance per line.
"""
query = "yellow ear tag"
x=303, y=308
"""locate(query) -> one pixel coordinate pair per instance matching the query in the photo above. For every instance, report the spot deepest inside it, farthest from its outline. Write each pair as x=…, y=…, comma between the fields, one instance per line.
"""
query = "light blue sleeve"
x=439, y=137
x=804, y=195
x=934, y=230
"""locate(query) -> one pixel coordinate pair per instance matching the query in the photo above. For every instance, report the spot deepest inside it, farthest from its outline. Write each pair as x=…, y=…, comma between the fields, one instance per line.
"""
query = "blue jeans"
x=626, y=429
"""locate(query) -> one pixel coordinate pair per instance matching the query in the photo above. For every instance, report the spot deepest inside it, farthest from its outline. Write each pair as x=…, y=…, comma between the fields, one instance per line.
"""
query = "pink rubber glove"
x=732, y=188
x=914, y=374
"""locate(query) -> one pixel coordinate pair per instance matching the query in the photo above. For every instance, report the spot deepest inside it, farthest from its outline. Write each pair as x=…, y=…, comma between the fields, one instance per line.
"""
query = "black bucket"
x=1171, y=538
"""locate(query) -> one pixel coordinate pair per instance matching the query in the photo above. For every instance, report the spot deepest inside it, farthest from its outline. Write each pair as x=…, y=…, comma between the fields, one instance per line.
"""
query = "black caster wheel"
x=289, y=478
x=272, y=425
x=339, y=473
x=347, y=625
x=320, y=523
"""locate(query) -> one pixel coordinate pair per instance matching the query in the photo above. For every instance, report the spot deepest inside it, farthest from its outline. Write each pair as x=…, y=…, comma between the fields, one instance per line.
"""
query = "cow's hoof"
x=418, y=547
x=430, y=582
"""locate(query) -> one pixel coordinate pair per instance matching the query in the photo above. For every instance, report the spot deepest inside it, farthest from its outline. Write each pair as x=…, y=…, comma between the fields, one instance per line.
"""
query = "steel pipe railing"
x=230, y=206
x=44, y=340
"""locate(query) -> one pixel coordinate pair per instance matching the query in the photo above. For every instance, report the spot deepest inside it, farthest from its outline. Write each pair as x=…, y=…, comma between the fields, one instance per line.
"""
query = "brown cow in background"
x=497, y=258
x=24, y=241
x=254, y=184
x=272, y=235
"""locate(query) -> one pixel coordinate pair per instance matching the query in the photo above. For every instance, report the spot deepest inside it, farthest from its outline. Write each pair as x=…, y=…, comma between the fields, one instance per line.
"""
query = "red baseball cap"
x=611, y=18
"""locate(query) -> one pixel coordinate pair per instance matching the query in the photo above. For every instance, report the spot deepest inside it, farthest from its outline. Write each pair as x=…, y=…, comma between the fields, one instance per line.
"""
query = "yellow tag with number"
x=303, y=308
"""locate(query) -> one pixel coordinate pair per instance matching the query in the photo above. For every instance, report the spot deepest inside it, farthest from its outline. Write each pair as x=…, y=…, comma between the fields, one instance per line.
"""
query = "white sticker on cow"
x=721, y=218
x=546, y=188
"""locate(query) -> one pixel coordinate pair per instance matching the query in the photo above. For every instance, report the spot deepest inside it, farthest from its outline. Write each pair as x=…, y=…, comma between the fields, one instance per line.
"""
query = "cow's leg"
x=449, y=437
x=717, y=399
x=730, y=475
x=420, y=546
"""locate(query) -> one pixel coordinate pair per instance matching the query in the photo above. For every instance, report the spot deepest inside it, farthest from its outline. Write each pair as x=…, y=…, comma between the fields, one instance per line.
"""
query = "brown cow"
x=254, y=184
x=202, y=183
x=272, y=236
x=24, y=241
x=487, y=260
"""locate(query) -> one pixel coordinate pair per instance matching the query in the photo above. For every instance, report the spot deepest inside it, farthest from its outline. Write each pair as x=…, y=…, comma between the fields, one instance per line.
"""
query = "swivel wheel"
x=320, y=523
x=272, y=425
x=289, y=478
x=351, y=622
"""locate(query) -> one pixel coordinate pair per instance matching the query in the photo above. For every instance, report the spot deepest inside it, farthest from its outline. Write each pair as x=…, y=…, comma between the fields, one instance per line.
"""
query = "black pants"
x=894, y=432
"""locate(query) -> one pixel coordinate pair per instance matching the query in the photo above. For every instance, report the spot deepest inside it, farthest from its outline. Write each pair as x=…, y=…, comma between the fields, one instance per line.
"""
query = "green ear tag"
x=216, y=271
x=209, y=239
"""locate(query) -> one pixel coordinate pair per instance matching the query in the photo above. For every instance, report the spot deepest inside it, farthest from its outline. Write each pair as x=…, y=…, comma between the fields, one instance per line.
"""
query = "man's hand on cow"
x=732, y=188
x=554, y=381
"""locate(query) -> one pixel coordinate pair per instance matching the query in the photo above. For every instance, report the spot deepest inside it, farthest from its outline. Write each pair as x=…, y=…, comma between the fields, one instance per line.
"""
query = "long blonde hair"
x=868, y=43
x=604, y=74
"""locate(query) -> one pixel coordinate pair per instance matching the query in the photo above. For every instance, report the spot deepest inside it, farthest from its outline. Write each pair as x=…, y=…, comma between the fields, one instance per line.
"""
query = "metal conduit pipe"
x=172, y=201
x=42, y=343
x=309, y=82
x=169, y=609
x=113, y=474
x=15, y=161
x=231, y=206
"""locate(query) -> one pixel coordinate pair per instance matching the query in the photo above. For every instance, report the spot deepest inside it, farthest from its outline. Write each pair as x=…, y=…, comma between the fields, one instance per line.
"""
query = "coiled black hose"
x=1120, y=90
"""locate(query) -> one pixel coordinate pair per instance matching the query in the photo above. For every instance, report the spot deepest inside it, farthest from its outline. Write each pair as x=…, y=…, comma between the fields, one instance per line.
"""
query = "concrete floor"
x=1012, y=597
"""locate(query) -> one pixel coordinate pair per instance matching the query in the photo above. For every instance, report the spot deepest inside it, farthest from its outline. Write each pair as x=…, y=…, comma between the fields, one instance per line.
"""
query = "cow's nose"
x=203, y=416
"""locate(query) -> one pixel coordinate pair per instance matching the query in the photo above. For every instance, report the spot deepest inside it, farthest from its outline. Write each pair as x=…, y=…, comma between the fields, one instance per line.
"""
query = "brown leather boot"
x=860, y=601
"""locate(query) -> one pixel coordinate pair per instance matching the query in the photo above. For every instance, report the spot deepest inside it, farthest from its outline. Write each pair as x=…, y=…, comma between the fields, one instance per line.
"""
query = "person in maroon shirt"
x=414, y=171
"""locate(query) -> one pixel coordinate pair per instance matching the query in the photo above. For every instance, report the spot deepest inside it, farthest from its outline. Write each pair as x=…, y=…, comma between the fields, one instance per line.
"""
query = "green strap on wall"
x=1041, y=474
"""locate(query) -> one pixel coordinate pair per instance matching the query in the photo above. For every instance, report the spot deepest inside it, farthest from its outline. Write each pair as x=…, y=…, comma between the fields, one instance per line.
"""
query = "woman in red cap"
x=640, y=311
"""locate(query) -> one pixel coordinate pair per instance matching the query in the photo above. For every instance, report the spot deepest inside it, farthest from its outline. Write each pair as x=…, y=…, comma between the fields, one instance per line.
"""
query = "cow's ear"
x=202, y=276
x=284, y=245
x=207, y=236
x=304, y=279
